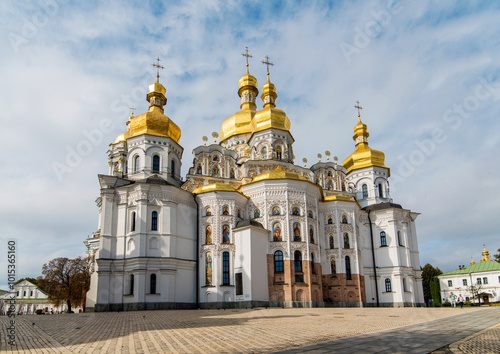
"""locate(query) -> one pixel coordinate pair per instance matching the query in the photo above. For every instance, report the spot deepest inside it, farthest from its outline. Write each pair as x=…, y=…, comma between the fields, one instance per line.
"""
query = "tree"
x=31, y=280
x=497, y=256
x=428, y=274
x=66, y=280
x=475, y=290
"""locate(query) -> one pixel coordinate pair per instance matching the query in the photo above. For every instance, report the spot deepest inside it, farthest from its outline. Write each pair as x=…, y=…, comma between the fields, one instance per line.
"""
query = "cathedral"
x=247, y=226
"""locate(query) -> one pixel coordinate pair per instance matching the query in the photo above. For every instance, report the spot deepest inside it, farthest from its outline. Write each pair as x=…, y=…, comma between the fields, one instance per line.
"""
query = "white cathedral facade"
x=247, y=227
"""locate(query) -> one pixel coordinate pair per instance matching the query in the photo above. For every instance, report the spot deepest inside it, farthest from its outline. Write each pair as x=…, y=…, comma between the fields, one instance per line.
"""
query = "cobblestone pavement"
x=484, y=342
x=219, y=331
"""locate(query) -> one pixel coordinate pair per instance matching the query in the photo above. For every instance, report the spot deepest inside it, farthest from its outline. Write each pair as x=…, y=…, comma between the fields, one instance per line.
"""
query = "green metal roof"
x=475, y=268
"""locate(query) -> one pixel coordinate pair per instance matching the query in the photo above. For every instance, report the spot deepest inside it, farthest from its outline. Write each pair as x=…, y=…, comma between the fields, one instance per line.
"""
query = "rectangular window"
x=238, y=278
x=485, y=280
x=450, y=283
x=464, y=282
x=478, y=280
x=31, y=293
x=24, y=293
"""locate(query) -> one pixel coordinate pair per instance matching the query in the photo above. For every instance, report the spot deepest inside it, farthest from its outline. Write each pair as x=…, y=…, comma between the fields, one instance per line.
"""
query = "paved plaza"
x=311, y=330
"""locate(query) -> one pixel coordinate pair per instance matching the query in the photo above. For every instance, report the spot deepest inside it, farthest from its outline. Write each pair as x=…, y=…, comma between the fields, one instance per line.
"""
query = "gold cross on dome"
x=359, y=108
x=132, y=109
x=246, y=55
x=267, y=62
x=158, y=67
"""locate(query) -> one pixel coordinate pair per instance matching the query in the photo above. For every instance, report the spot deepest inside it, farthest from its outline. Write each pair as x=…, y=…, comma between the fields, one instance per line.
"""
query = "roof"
x=475, y=268
x=244, y=223
x=381, y=206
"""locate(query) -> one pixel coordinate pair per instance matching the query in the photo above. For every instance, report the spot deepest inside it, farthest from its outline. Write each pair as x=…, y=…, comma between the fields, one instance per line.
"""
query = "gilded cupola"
x=363, y=156
x=486, y=256
x=270, y=116
x=240, y=122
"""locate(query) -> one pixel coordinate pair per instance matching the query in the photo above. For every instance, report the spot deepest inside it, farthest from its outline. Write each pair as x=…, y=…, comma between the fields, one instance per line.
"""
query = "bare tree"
x=475, y=290
x=66, y=280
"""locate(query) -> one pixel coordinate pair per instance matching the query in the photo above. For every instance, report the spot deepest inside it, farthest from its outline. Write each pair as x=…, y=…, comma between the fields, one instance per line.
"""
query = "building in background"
x=247, y=226
x=485, y=276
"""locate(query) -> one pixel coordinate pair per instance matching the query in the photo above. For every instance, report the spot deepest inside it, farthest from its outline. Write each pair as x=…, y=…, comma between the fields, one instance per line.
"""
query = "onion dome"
x=363, y=156
x=154, y=122
x=472, y=261
x=486, y=256
x=122, y=137
x=269, y=116
x=240, y=122
x=278, y=173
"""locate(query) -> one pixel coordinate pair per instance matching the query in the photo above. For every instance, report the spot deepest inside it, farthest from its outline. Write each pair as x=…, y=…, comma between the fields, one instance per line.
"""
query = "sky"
x=427, y=74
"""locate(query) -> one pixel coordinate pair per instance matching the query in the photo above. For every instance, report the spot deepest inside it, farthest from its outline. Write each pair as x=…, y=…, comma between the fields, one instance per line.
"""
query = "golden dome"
x=269, y=116
x=472, y=261
x=363, y=156
x=486, y=256
x=240, y=122
x=278, y=173
x=154, y=122
x=122, y=137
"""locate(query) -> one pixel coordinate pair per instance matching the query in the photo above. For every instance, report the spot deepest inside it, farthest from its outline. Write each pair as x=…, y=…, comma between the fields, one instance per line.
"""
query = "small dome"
x=363, y=156
x=122, y=137
x=215, y=187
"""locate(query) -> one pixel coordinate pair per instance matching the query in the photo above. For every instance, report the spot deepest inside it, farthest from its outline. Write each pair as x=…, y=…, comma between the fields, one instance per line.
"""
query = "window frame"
x=348, y=274
x=388, y=285
x=155, y=166
x=450, y=283
x=154, y=220
x=132, y=227
x=225, y=268
x=383, y=239
x=297, y=261
x=364, y=190
x=152, y=283
x=278, y=262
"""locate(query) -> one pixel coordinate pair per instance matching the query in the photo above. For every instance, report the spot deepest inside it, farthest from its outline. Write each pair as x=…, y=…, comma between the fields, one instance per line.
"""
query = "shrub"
x=39, y=312
x=446, y=304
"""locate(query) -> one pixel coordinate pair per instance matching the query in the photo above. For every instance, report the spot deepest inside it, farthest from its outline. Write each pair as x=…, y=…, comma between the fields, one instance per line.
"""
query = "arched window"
x=333, y=266
x=225, y=210
x=208, y=211
x=311, y=234
x=344, y=219
x=154, y=221
x=277, y=232
x=383, y=240
x=330, y=220
x=276, y=210
x=380, y=190
x=278, y=262
x=365, y=191
x=297, y=256
x=405, y=289
x=131, y=284
x=348, y=268
x=152, y=284
x=132, y=227
x=278, y=152
x=208, y=235
x=172, y=168
x=312, y=263
x=156, y=163
x=400, y=241
x=137, y=162
x=332, y=241
x=388, y=287
x=225, y=268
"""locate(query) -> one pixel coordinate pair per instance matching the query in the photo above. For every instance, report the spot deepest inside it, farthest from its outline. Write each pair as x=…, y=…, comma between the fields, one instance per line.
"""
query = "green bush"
x=39, y=312
x=446, y=304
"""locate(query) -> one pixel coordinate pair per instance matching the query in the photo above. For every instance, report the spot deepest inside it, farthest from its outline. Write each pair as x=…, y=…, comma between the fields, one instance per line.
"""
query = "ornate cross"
x=132, y=109
x=267, y=62
x=359, y=108
x=246, y=54
x=158, y=67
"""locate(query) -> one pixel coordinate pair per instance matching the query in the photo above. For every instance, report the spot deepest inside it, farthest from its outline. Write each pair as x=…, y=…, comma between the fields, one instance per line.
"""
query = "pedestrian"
x=453, y=299
x=461, y=301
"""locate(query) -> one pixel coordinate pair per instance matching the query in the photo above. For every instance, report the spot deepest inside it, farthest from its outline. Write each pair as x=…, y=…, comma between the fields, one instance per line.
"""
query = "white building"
x=28, y=298
x=247, y=226
x=485, y=275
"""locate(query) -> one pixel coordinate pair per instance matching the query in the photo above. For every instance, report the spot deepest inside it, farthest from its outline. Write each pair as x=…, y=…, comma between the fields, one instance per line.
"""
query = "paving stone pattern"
x=315, y=330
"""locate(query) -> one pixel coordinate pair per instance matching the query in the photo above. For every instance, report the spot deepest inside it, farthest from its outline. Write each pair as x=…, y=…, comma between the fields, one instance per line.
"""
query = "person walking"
x=453, y=299
x=461, y=301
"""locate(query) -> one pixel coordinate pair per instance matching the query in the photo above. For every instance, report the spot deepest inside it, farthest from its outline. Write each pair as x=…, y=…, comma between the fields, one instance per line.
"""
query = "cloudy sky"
x=426, y=72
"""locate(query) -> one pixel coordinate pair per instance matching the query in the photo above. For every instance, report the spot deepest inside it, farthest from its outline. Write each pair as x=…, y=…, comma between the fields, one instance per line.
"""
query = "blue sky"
x=427, y=74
